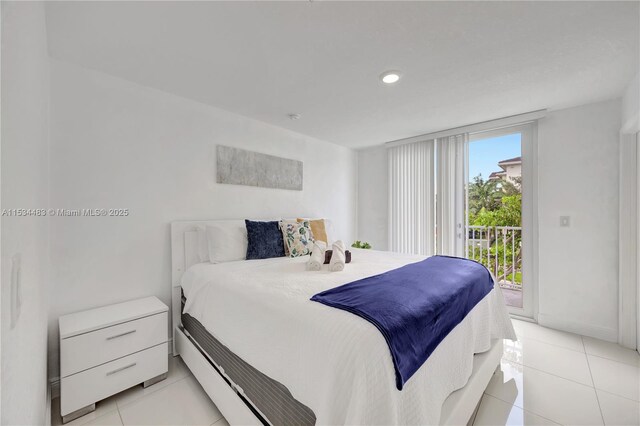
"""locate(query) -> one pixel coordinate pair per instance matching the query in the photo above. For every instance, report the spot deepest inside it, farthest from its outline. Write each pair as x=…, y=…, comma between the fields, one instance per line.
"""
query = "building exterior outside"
x=511, y=171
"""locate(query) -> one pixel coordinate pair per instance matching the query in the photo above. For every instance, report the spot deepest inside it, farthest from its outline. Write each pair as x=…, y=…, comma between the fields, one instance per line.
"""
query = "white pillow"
x=227, y=241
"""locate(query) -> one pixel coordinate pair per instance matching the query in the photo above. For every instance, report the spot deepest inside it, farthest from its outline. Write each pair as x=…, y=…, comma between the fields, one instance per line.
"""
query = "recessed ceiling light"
x=294, y=116
x=390, y=77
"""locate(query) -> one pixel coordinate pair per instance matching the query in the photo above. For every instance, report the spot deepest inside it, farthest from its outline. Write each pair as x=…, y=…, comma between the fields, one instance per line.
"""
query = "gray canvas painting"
x=241, y=167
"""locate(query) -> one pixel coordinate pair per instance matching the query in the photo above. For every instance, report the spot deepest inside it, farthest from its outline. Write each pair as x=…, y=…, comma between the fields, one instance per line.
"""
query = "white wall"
x=578, y=176
x=373, y=197
x=116, y=144
x=25, y=94
x=631, y=106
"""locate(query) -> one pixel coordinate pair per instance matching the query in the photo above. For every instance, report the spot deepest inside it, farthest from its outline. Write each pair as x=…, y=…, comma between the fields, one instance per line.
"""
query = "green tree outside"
x=497, y=204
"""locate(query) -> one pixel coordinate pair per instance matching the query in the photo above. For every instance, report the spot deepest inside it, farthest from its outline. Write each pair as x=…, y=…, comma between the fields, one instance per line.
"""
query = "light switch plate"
x=565, y=221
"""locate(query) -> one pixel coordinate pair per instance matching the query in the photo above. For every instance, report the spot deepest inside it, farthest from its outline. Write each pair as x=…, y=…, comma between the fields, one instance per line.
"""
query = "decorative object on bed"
x=241, y=167
x=318, y=229
x=283, y=223
x=264, y=240
x=227, y=241
x=297, y=238
x=361, y=244
x=338, y=258
x=316, y=259
x=328, y=253
x=414, y=306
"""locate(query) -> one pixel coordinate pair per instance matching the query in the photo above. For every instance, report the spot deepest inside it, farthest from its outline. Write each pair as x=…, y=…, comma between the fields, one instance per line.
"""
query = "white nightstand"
x=106, y=350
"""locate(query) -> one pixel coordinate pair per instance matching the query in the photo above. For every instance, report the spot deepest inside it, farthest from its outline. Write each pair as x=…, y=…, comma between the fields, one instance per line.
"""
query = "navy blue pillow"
x=265, y=240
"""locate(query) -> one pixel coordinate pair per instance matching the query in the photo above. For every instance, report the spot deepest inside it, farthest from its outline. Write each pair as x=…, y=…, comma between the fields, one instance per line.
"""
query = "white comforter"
x=336, y=363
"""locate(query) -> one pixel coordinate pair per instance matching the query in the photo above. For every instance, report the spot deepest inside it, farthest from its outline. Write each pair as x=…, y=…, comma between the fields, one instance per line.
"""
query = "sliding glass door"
x=499, y=211
x=472, y=195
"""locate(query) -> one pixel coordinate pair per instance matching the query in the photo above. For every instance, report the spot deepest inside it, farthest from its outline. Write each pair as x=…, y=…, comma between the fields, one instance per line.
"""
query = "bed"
x=267, y=354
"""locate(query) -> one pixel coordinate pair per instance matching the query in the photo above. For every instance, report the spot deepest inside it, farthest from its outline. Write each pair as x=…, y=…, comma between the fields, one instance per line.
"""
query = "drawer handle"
x=121, y=334
x=117, y=370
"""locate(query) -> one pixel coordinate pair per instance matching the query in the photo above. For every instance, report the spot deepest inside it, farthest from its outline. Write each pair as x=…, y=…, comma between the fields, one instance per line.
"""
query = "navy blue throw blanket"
x=415, y=306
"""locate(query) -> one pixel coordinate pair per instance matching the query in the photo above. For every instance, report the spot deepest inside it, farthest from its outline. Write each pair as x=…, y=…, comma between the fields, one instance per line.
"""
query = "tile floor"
x=551, y=377
x=548, y=377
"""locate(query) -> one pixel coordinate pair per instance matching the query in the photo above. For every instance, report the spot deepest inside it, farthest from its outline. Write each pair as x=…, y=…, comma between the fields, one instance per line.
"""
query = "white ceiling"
x=463, y=62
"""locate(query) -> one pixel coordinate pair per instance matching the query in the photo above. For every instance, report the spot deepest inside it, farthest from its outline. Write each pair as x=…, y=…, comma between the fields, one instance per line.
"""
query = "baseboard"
x=54, y=382
x=595, y=331
x=521, y=318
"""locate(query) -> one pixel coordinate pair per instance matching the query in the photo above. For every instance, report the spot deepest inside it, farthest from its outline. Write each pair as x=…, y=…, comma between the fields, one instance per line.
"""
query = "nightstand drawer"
x=89, y=386
x=90, y=349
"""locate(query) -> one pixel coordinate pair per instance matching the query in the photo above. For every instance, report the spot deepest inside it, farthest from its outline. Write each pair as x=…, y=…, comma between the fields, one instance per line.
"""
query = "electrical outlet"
x=565, y=221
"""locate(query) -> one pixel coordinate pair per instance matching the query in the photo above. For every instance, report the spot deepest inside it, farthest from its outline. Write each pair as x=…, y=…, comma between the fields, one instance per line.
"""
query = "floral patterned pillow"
x=298, y=239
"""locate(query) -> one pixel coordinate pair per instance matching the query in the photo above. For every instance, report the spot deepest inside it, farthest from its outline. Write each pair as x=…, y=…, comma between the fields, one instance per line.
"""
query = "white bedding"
x=336, y=363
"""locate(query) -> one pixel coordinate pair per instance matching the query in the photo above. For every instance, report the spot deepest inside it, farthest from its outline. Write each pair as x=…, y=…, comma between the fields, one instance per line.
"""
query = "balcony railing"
x=499, y=248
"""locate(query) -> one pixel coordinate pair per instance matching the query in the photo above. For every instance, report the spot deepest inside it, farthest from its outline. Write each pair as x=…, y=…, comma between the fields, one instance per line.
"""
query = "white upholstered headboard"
x=185, y=252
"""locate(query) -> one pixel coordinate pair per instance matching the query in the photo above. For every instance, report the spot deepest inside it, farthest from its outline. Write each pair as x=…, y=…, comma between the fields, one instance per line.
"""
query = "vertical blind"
x=411, y=195
x=451, y=205
x=413, y=210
